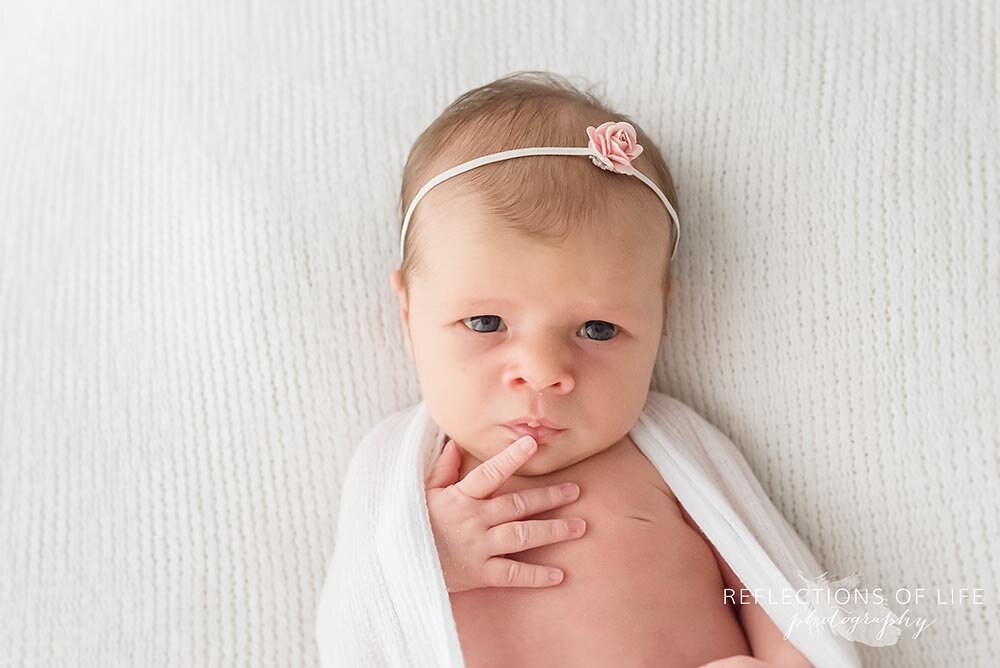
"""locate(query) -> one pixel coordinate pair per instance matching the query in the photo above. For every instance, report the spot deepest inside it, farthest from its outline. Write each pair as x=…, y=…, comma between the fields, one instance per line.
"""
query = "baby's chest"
x=640, y=583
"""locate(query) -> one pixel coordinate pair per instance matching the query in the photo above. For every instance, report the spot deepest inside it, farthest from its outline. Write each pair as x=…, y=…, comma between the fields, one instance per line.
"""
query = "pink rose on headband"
x=615, y=146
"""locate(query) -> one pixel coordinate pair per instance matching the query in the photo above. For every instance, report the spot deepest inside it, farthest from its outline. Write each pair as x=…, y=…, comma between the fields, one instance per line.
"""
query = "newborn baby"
x=533, y=291
x=534, y=296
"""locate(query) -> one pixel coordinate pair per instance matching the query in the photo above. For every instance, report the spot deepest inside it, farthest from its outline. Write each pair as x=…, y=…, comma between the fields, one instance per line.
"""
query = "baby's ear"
x=396, y=279
x=666, y=304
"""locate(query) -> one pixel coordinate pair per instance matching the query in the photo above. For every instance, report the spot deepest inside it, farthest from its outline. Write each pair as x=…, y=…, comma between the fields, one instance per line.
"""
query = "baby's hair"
x=542, y=197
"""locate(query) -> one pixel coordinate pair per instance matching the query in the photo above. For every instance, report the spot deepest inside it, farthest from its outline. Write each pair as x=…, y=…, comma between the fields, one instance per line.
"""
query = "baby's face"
x=501, y=326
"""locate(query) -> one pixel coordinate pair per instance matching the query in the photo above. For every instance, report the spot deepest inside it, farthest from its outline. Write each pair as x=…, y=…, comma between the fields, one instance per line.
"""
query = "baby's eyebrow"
x=466, y=303
x=625, y=308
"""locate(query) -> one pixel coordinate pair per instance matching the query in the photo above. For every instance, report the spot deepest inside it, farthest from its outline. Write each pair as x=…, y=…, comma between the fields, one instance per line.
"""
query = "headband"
x=612, y=147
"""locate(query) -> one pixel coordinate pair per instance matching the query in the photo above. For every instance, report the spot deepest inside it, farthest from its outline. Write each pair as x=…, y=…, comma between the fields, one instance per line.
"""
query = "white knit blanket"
x=384, y=601
x=197, y=328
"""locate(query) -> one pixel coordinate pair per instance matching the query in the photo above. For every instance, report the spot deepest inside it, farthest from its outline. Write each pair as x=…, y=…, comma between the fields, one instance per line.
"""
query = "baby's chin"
x=540, y=465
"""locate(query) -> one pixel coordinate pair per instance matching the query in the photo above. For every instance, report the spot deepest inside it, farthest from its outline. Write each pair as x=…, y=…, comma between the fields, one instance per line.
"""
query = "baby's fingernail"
x=527, y=443
x=555, y=576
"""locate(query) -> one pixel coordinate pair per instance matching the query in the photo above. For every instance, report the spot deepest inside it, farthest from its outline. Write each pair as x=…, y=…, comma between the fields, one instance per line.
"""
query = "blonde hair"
x=541, y=197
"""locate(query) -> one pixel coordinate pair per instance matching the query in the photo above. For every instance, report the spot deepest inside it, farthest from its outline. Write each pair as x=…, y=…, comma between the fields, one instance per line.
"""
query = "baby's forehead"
x=505, y=265
x=624, y=232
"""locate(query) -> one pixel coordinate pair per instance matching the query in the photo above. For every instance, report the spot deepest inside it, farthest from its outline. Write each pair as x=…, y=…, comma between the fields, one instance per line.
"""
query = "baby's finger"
x=528, y=502
x=445, y=469
x=501, y=572
x=519, y=536
x=487, y=478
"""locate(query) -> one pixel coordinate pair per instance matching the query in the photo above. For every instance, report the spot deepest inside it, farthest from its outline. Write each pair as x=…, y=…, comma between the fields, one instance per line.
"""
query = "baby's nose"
x=541, y=364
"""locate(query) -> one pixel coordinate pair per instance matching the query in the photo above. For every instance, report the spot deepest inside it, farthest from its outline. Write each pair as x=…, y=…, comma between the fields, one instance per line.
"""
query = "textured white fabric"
x=385, y=603
x=198, y=215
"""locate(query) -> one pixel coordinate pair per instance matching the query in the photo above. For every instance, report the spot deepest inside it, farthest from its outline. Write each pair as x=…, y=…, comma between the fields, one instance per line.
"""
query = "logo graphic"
x=851, y=611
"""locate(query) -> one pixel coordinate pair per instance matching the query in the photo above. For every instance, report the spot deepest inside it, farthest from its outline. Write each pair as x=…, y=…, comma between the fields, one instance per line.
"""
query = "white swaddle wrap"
x=384, y=600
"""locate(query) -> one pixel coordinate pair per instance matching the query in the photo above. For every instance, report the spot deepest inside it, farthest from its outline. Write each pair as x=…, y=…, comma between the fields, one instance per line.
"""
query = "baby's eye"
x=488, y=319
x=605, y=331
x=598, y=328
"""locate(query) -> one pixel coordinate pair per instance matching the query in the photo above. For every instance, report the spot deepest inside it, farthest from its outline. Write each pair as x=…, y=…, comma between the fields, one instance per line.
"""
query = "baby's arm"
x=767, y=642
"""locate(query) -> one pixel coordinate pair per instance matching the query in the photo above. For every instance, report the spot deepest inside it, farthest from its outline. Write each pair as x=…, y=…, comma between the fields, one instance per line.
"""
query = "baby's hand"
x=470, y=528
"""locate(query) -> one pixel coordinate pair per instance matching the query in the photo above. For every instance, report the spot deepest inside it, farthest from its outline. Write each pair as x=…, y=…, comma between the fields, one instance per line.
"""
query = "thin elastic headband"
x=612, y=147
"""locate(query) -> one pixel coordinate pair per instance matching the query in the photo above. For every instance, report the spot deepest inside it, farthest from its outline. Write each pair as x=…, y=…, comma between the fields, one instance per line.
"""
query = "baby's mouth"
x=540, y=434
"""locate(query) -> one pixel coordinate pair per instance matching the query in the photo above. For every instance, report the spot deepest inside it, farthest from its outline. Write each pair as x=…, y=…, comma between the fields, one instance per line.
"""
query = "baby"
x=534, y=296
